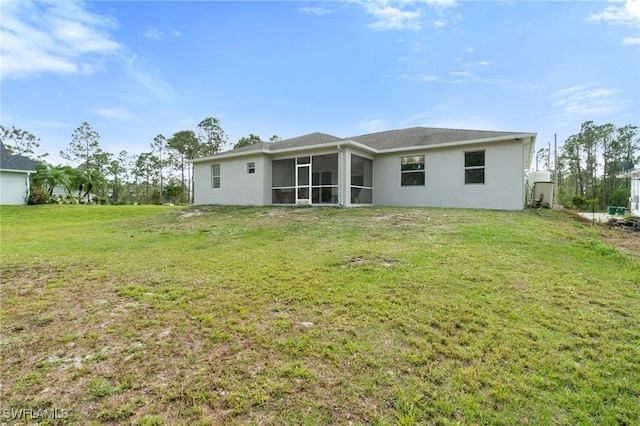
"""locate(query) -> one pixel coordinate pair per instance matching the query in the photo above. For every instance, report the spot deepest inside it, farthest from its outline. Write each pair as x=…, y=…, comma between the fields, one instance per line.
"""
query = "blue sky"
x=134, y=69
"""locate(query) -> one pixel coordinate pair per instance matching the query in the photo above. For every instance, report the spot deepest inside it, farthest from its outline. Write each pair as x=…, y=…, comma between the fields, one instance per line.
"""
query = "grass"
x=389, y=316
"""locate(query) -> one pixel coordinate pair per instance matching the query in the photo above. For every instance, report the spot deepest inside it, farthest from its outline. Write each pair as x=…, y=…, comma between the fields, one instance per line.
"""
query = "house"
x=419, y=166
x=634, y=174
x=15, y=171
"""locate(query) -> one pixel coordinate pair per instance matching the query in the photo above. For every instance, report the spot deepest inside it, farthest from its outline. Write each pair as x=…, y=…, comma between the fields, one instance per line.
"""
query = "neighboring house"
x=418, y=166
x=635, y=191
x=15, y=171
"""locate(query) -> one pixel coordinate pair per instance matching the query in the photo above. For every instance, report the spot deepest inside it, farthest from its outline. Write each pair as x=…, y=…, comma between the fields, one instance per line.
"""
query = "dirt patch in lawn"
x=357, y=261
x=628, y=242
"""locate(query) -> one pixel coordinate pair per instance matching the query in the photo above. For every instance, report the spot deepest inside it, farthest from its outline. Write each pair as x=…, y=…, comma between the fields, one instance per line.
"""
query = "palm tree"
x=51, y=176
x=91, y=180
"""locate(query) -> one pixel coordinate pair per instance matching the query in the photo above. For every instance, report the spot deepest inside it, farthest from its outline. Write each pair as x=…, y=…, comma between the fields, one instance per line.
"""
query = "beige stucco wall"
x=14, y=188
x=237, y=186
x=444, y=179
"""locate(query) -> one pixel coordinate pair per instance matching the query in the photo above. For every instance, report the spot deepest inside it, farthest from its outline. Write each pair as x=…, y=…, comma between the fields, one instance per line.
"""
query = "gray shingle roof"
x=421, y=136
x=392, y=139
x=15, y=162
x=299, y=141
x=305, y=140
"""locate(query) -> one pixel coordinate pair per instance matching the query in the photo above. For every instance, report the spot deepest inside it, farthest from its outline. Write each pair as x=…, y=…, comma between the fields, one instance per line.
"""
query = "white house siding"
x=237, y=186
x=635, y=192
x=444, y=179
x=14, y=187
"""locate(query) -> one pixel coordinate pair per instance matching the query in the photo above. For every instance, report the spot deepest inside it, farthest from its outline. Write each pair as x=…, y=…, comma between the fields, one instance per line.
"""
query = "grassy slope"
x=267, y=315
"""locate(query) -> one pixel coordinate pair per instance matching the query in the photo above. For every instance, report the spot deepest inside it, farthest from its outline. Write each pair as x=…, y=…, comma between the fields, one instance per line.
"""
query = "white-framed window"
x=215, y=176
x=474, y=167
x=251, y=167
x=412, y=170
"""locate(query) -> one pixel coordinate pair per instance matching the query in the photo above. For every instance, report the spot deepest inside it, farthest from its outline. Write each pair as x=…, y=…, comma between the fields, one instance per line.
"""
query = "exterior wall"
x=14, y=188
x=444, y=179
x=237, y=186
x=635, y=193
x=504, y=186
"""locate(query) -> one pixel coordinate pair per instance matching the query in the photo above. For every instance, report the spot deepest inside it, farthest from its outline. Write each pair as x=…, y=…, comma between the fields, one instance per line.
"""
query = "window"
x=474, y=167
x=412, y=170
x=215, y=175
x=251, y=167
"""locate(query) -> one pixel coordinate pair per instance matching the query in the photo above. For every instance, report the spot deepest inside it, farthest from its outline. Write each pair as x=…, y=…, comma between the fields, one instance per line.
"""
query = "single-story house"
x=419, y=166
x=15, y=172
x=634, y=174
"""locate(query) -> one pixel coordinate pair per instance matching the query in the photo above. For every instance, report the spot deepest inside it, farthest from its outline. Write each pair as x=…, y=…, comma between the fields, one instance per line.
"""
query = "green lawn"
x=160, y=315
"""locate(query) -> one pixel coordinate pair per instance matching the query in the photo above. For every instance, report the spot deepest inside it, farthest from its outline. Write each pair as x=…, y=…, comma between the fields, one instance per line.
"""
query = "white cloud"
x=150, y=78
x=442, y=3
x=417, y=47
x=115, y=113
x=587, y=102
x=478, y=64
x=393, y=18
x=407, y=15
x=462, y=74
x=627, y=13
x=57, y=36
x=454, y=77
x=372, y=126
x=317, y=11
x=154, y=34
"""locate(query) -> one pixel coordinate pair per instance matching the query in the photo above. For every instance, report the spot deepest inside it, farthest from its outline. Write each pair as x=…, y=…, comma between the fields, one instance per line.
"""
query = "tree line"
x=590, y=165
x=587, y=168
x=160, y=175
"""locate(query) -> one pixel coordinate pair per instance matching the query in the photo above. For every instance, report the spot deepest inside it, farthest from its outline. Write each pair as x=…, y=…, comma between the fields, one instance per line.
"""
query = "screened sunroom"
x=311, y=179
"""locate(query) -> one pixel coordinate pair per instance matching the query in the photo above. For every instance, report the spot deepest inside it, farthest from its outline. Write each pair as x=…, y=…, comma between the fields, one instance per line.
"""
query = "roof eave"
x=229, y=154
x=515, y=137
x=304, y=148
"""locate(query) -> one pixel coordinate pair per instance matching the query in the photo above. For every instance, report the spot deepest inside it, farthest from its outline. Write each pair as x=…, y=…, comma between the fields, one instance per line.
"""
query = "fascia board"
x=299, y=149
x=18, y=171
x=229, y=155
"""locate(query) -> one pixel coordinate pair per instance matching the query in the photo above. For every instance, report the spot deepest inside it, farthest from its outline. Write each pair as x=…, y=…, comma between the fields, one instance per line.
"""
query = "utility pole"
x=555, y=170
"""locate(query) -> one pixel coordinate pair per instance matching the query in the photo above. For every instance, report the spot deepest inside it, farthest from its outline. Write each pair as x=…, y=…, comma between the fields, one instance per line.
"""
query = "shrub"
x=620, y=197
x=591, y=205
x=578, y=201
x=37, y=195
x=155, y=197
